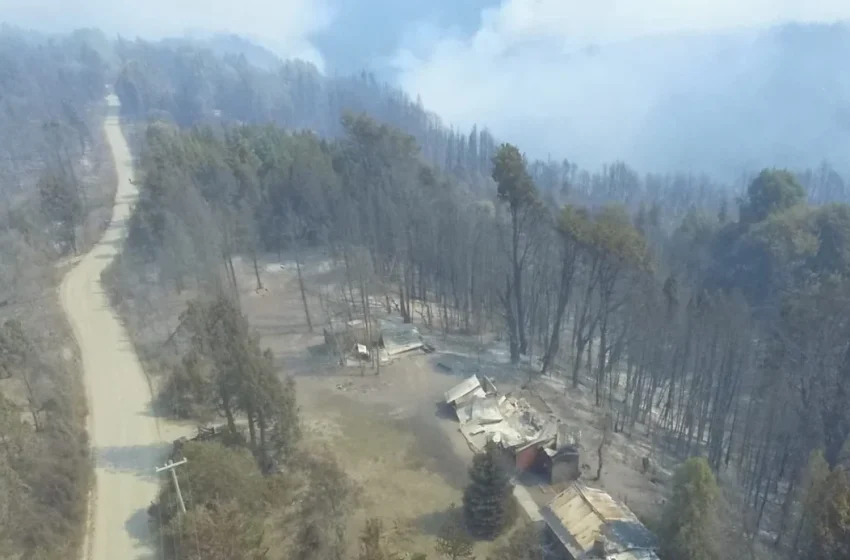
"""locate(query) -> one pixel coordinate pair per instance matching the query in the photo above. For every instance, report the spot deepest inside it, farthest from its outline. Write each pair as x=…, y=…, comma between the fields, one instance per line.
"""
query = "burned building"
x=342, y=336
x=399, y=338
x=587, y=523
x=359, y=339
x=531, y=440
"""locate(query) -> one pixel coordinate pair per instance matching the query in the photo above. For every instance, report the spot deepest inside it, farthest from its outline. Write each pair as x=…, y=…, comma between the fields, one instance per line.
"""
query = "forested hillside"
x=726, y=332
x=34, y=72
x=192, y=85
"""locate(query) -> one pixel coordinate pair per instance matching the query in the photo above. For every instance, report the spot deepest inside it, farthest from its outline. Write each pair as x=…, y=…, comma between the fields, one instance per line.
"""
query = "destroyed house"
x=530, y=440
x=342, y=336
x=468, y=390
x=398, y=338
x=358, y=338
x=589, y=524
x=554, y=457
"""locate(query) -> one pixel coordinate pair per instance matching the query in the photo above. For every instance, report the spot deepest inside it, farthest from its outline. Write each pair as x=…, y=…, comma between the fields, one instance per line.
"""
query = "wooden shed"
x=589, y=523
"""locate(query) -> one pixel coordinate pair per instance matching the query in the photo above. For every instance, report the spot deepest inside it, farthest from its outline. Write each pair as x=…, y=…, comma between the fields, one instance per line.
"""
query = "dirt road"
x=125, y=437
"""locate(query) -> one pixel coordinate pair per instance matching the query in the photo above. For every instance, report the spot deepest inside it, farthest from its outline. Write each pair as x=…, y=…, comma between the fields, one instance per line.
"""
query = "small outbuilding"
x=587, y=523
x=343, y=336
x=399, y=338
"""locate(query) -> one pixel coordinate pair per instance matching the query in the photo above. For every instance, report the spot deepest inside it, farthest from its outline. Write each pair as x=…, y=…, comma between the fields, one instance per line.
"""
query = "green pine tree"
x=831, y=523
x=487, y=504
x=688, y=531
x=813, y=487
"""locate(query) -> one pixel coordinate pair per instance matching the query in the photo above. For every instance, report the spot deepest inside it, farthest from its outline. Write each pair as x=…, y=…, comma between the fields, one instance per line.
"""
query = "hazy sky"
x=516, y=73
x=281, y=24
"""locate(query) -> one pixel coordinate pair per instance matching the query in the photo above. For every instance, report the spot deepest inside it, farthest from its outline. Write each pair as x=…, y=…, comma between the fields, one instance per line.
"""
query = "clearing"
x=387, y=429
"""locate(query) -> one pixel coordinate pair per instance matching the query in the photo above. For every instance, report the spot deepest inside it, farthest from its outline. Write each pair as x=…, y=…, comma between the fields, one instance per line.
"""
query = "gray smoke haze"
x=659, y=83
x=282, y=25
x=706, y=85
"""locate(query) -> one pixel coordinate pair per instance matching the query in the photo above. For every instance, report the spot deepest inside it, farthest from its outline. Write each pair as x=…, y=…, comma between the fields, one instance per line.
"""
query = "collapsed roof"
x=398, y=338
x=510, y=421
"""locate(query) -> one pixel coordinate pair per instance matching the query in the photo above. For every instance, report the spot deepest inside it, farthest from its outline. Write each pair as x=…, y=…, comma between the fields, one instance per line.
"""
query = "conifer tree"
x=487, y=498
x=831, y=523
x=813, y=485
x=689, y=522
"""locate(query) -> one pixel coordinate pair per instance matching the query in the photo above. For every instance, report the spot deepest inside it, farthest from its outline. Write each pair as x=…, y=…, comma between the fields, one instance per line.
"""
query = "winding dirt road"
x=125, y=435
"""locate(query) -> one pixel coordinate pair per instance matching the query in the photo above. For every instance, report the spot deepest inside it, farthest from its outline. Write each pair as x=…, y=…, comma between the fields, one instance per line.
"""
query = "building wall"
x=526, y=458
x=566, y=469
x=554, y=546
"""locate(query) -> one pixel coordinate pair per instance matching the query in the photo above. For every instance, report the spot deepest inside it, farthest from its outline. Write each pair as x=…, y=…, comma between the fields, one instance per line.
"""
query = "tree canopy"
x=689, y=530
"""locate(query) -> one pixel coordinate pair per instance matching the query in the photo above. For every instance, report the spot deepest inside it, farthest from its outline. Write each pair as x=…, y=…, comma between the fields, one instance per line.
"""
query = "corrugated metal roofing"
x=579, y=515
x=400, y=337
x=461, y=389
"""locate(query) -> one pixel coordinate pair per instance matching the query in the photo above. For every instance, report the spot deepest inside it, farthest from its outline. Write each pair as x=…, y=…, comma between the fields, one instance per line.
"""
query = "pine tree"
x=831, y=523
x=61, y=205
x=487, y=499
x=813, y=486
x=689, y=521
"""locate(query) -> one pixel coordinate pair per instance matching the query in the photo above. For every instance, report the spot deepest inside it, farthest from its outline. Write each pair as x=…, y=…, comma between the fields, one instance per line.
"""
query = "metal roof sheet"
x=579, y=515
x=463, y=388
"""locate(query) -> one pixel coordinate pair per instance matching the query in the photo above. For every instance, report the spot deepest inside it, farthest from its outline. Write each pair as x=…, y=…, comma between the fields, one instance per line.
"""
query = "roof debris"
x=398, y=338
x=509, y=420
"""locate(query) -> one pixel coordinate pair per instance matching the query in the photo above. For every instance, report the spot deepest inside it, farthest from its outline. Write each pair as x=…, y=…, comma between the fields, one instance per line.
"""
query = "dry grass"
x=386, y=464
x=401, y=407
x=409, y=462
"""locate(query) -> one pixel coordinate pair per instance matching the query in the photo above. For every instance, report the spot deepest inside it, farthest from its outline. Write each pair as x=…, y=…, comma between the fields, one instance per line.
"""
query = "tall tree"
x=516, y=189
x=772, y=191
x=244, y=377
x=61, y=205
x=813, y=495
x=573, y=229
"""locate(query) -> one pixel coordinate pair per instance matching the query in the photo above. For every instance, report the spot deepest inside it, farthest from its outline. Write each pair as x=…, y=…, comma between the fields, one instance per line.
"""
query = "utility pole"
x=170, y=466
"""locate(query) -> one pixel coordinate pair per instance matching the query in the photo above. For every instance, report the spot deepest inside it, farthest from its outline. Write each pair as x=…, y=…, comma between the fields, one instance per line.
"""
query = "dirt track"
x=125, y=436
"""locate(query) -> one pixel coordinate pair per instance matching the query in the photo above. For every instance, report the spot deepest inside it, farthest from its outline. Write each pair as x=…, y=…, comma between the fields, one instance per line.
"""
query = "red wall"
x=526, y=458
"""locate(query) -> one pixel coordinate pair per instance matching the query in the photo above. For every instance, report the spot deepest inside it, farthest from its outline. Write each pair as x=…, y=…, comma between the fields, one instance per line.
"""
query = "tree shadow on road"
x=139, y=528
x=140, y=460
